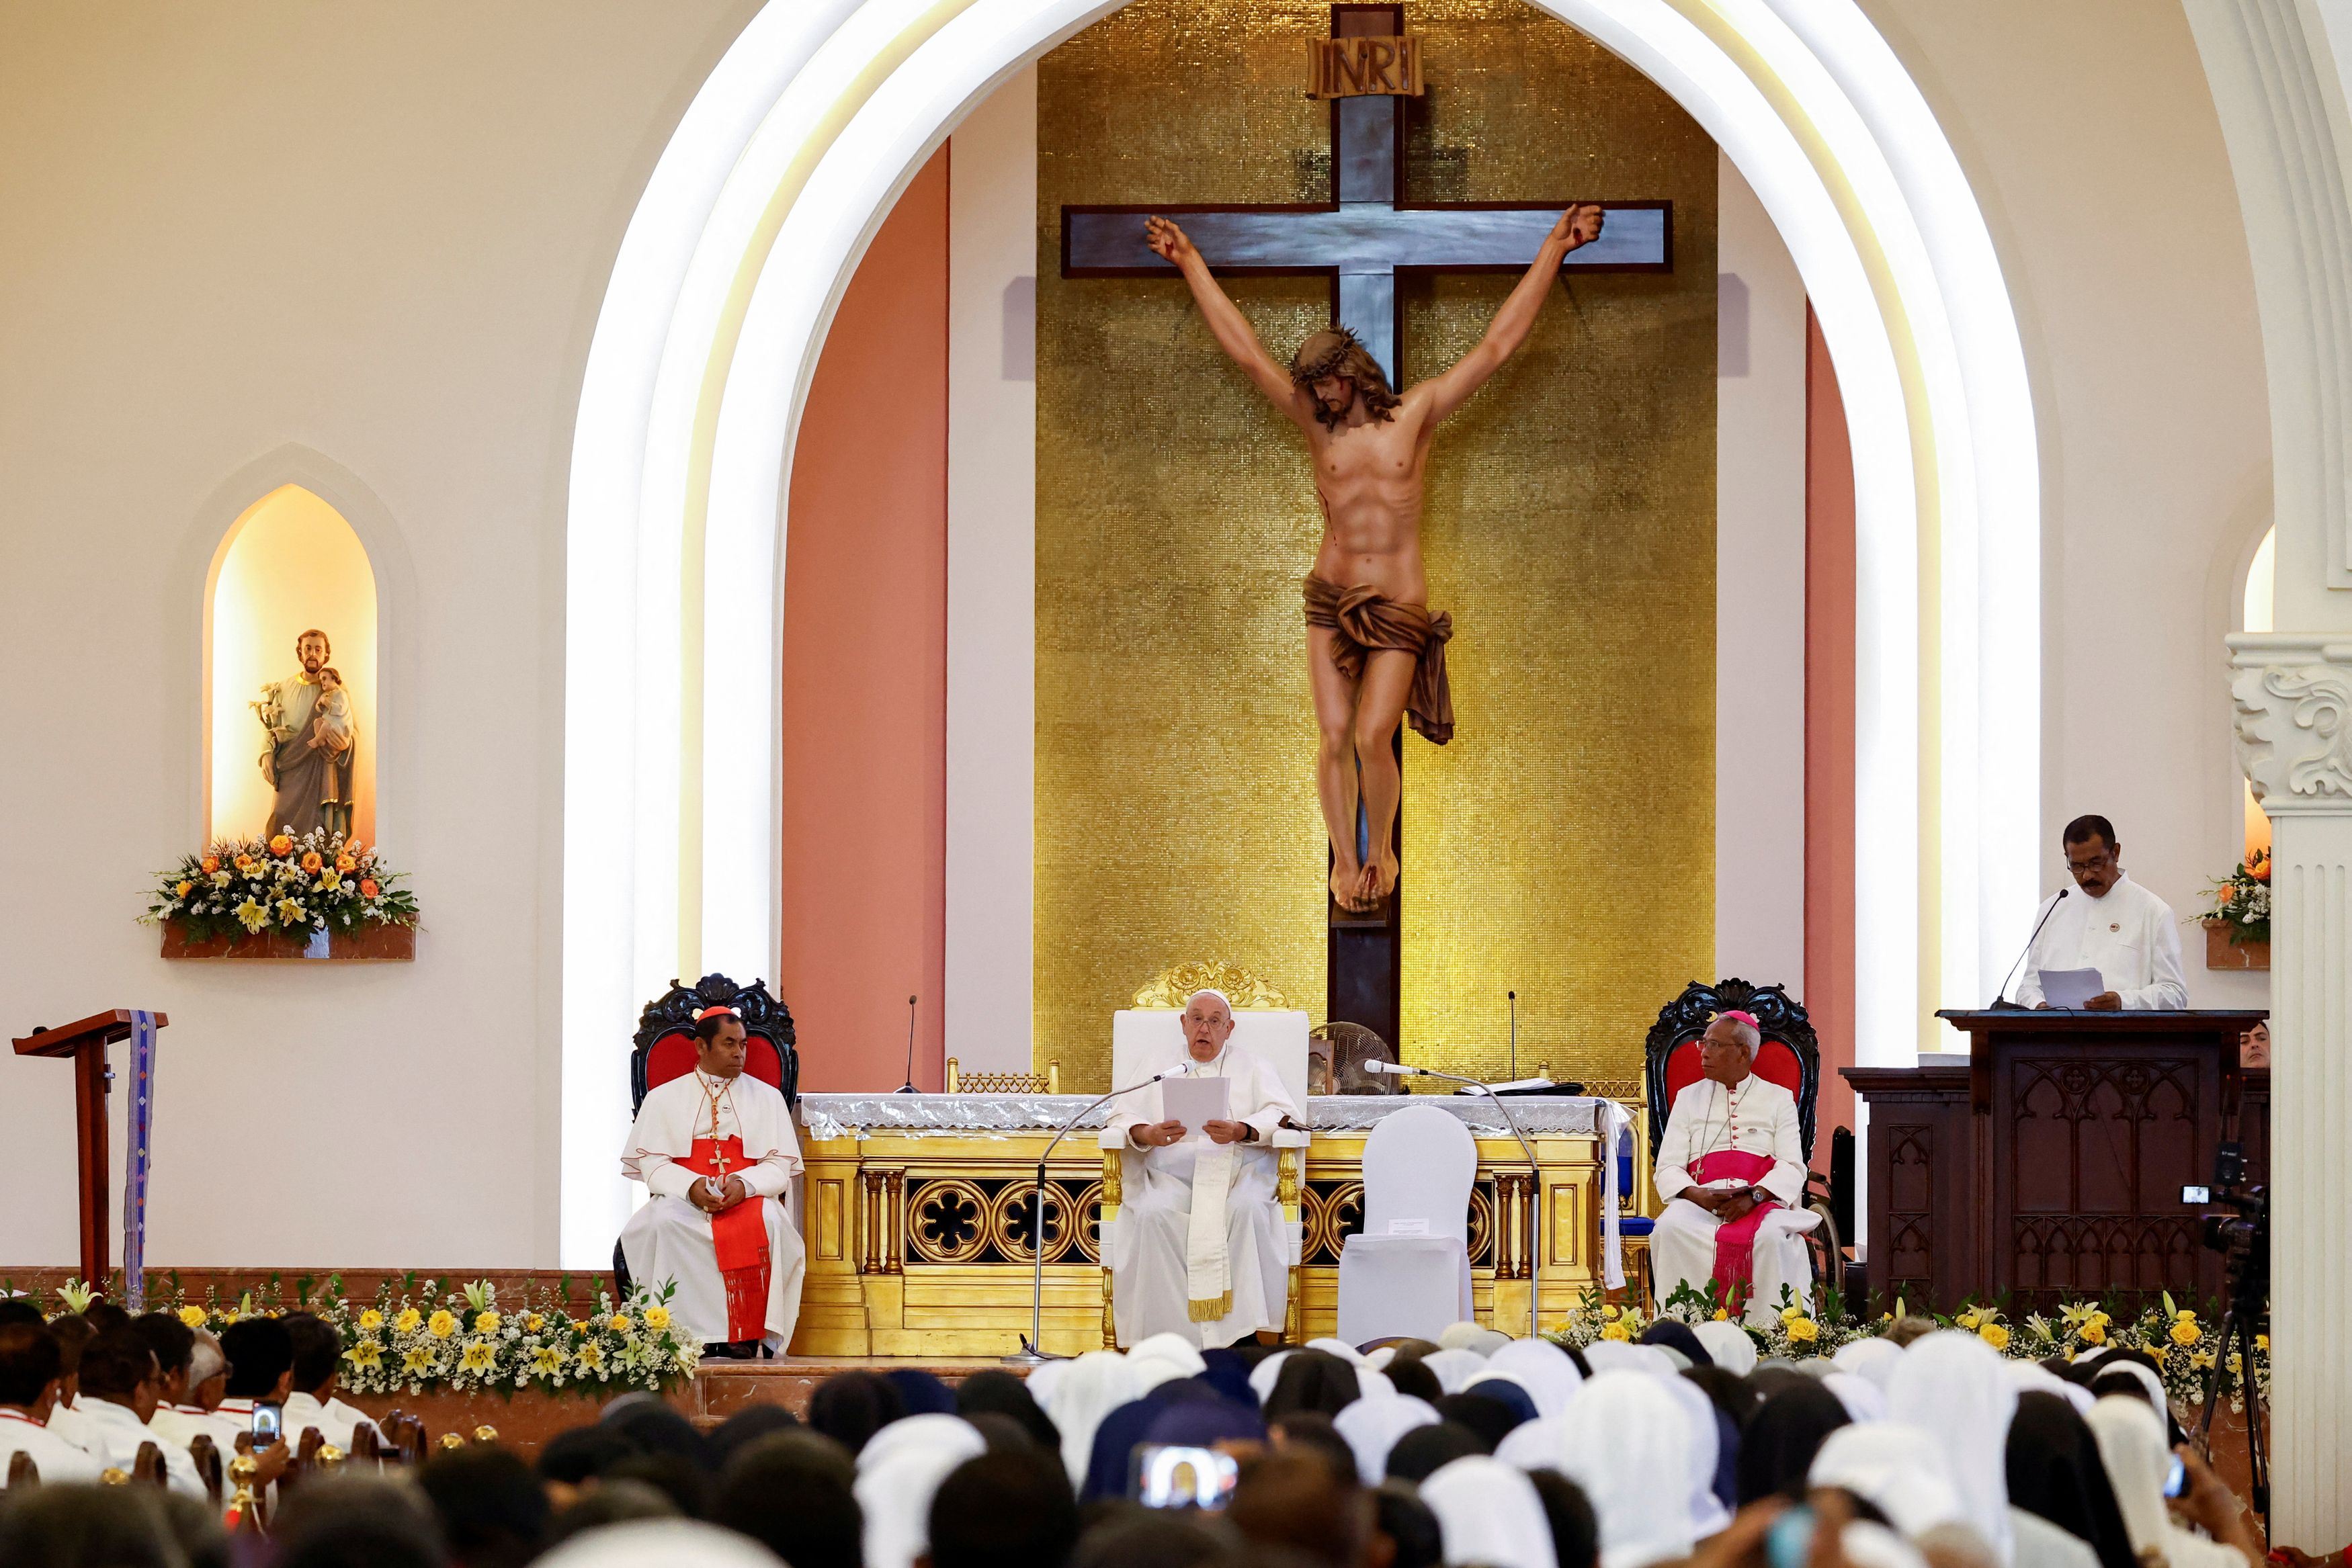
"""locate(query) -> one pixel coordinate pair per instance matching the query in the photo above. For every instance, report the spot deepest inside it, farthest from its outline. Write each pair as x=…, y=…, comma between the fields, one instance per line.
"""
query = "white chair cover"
x=1408, y=1273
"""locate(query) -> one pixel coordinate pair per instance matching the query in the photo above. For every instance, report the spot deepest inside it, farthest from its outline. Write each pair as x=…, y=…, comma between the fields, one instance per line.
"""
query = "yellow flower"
x=547, y=1360
x=329, y=882
x=1722, y=1315
x=2185, y=1316
x=1802, y=1330
x=186, y=888
x=619, y=1322
x=367, y=1354
x=193, y=1316
x=1968, y=1320
x=407, y=1321
x=2094, y=1333
x=1616, y=1331
x=1791, y=1315
x=2184, y=1331
x=252, y=915
x=228, y=1317
x=1612, y=1313
x=580, y=1325
x=418, y=1359
x=480, y=1355
x=2261, y=1342
x=486, y=1323
x=370, y=1321
x=281, y=844
x=656, y=1318
x=590, y=1357
x=292, y=912
x=2201, y=1360
x=1994, y=1335
x=534, y=1322
x=2159, y=1351
x=441, y=1325
x=346, y=863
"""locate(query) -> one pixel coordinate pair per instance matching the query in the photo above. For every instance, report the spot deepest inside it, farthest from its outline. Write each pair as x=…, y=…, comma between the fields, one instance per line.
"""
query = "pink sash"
x=1735, y=1241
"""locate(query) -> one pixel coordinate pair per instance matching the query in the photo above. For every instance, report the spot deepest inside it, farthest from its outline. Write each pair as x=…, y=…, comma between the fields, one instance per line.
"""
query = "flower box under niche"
x=2221, y=952
x=372, y=944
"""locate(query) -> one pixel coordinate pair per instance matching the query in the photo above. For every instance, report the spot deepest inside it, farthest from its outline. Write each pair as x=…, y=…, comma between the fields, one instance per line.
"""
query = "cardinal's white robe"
x=53, y=1457
x=670, y=1240
x=1756, y=1118
x=1156, y=1256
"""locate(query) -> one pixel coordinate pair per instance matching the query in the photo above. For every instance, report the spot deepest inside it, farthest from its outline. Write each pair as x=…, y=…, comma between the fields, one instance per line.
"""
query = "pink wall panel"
x=864, y=835
x=1829, y=733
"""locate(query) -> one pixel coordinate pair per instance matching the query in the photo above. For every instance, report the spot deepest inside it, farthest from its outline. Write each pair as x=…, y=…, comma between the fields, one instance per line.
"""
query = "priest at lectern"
x=716, y=1149
x=2108, y=923
x=1199, y=1249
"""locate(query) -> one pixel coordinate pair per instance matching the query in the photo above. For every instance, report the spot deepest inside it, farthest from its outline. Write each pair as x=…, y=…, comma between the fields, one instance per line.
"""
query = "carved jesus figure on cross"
x=1374, y=652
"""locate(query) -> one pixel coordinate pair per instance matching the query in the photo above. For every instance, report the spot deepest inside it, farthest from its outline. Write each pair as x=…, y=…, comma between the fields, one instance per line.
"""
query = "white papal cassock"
x=1755, y=1124
x=670, y=1238
x=1160, y=1260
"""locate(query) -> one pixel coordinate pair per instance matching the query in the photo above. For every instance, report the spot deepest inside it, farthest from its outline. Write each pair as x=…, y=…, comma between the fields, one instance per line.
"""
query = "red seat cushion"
x=675, y=1054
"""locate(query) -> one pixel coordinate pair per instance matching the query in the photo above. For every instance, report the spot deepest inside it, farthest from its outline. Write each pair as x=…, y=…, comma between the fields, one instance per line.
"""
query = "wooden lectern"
x=86, y=1042
x=2048, y=1163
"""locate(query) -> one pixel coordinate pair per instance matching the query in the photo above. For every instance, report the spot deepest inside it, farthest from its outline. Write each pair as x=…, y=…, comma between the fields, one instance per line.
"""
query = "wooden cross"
x=1362, y=239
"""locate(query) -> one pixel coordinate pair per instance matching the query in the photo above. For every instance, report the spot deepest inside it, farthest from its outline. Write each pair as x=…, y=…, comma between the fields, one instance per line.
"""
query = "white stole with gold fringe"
x=1208, y=1264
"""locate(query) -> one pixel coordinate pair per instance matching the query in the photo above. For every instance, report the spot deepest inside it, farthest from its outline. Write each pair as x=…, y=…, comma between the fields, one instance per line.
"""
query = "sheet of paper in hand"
x=1196, y=1101
x=2070, y=988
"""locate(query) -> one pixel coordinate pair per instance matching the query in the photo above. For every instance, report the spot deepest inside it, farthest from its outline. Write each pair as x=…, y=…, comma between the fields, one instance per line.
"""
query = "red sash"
x=740, y=1236
x=1735, y=1241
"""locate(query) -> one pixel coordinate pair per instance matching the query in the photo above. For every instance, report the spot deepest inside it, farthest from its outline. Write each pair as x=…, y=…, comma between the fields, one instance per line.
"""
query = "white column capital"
x=2293, y=691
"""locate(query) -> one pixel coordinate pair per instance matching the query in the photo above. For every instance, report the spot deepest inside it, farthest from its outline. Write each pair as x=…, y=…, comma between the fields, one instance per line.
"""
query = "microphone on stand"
x=1399, y=1069
x=2000, y=1002
x=1029, y=1355
x=1514, y=1034
x=908, y=1086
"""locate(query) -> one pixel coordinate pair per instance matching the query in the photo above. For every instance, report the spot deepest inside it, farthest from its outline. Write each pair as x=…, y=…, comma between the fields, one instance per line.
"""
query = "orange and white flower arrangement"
x=319, y=882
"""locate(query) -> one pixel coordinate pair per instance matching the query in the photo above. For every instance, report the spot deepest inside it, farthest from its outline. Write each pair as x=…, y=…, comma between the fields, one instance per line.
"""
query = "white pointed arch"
x=777, y=178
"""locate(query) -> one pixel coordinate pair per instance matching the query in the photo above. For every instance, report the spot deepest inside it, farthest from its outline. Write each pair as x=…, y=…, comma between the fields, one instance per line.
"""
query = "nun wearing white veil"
x=1957, y=1389
x=1543, y=1369
x=660, y=1543
x=899, y=1471
x=1489, y=1515
x=1629, y=1432
x=1088, y=1389
x=1371, y=1428
x=2132, y=1449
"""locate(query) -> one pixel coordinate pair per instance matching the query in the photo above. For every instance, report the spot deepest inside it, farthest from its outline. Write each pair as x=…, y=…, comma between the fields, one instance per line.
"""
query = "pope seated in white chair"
x=1731, y=1165
x=1200, y=1250
x=715, y=1148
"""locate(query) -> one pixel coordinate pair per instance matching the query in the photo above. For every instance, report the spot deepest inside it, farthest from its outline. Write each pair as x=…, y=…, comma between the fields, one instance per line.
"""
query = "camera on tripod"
x=2243, y=1236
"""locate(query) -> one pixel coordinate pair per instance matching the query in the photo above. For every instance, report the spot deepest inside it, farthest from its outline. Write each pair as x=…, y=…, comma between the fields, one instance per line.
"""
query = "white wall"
x=2089, y=135
x=378, y=233
x=992, y=576
x=1759, y=595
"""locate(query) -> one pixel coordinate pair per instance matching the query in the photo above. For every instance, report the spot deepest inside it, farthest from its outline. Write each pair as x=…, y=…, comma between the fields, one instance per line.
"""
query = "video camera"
x=2243, y=1234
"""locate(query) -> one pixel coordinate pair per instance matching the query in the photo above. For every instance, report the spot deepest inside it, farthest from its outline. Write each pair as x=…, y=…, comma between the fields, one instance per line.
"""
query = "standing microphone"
x=908, y=1086
x=1514, y=1034
x=2001, y=1001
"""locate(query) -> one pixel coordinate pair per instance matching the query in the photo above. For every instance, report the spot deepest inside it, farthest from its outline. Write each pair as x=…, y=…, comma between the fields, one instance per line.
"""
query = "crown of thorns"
x=1329, y=361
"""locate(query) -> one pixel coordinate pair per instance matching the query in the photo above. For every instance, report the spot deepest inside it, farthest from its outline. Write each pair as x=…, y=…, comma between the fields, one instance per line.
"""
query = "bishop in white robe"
x=1731, y=1168
x=716, y=1149
x=2108, y=923
x=1199, y=1248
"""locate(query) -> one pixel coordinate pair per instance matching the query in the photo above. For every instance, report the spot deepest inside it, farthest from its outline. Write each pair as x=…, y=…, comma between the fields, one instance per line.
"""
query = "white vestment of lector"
x=1153, y=1250
x=53, y=1457
x=2130, y=937
x=1756, y=1117
x=670, y=1238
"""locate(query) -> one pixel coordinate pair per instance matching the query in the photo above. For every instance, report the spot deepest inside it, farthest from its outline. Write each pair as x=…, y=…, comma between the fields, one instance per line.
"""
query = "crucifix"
x=1362, y=239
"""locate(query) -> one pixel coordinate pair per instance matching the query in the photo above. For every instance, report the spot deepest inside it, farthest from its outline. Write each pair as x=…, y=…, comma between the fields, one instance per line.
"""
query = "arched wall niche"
x=290, y=564
x=207, y=546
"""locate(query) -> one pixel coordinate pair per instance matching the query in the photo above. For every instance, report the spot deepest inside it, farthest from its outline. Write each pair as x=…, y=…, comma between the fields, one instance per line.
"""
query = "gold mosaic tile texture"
x=1563, y=844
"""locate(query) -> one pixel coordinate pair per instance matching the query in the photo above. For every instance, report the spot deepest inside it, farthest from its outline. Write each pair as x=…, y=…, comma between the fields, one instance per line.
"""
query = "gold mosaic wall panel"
x=1563, y=844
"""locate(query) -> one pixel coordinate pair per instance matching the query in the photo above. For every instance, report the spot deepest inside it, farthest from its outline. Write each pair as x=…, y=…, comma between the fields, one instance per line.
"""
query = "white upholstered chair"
x=1276, y=1035
x=1408, y=1271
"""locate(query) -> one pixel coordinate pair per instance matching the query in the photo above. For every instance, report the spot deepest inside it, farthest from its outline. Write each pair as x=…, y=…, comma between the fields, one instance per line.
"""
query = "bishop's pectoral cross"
x=1362, y=239
x=716, y=1184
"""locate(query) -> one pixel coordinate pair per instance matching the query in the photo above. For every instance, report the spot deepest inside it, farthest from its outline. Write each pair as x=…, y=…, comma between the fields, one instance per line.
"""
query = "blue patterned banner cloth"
x=135, y=1165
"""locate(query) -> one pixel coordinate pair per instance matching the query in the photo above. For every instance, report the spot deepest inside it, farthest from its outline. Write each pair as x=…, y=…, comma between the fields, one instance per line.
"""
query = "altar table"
x=916, y=1210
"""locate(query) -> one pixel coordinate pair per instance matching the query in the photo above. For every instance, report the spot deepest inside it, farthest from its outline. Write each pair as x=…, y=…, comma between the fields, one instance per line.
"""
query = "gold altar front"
x=918, y=1242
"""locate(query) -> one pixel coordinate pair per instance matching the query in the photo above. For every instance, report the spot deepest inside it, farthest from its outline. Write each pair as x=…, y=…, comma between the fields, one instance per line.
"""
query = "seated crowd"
x=1920, y=1449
